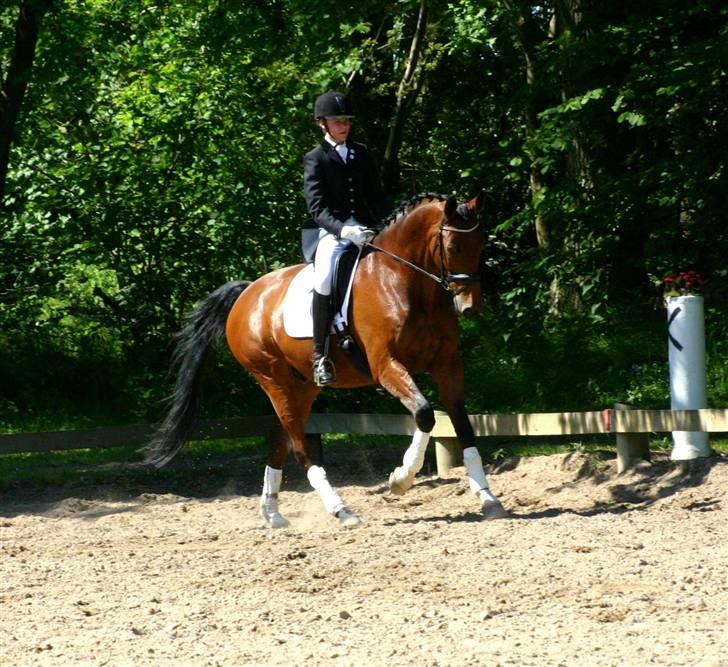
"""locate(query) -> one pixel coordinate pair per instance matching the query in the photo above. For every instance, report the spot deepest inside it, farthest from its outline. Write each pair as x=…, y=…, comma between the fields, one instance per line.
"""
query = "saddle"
x=297, y=320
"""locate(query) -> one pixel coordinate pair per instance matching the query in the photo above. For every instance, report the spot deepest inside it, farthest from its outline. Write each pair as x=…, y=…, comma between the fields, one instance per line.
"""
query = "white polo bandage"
x=476, y=474
x=269, y=498
x=272, y=481
x=331, y=500
x=414, y=457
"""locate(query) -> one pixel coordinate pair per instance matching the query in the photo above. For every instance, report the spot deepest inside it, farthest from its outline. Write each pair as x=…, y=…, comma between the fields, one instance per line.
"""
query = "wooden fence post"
x=631, y=447
x=448, y=454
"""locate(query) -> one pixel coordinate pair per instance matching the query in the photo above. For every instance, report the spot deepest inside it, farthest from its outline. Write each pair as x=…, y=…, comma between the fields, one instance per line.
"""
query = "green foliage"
x=159, y=150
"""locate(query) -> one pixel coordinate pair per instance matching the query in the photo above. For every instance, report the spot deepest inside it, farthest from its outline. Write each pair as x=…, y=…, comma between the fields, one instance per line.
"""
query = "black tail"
x=204, y=326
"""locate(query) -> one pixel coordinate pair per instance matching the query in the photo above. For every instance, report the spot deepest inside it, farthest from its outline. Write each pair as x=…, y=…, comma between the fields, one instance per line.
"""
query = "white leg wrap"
x=269, y=498
x=414, y=457
x=403, y=476
x=272, y=481
x=331, y=500
x=476, y=474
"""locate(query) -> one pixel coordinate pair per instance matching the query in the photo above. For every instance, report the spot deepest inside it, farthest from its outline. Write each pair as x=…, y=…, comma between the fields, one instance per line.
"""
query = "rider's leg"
x=323, y=368
x=329, y=248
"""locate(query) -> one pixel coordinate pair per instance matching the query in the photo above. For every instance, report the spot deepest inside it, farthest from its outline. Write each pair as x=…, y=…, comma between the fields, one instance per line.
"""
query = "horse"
x=417, y=276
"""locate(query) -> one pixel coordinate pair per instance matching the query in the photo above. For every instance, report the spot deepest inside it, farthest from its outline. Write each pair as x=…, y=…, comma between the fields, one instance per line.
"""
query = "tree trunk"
x=409, y=87
x=15, y=82
x=569, y=20
x=530, y=37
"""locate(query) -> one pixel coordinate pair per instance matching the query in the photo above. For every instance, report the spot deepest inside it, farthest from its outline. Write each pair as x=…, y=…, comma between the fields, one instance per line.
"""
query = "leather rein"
x=445, y=278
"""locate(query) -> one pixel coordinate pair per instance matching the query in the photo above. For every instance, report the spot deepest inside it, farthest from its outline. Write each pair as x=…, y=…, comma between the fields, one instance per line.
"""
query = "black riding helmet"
x=332, y=105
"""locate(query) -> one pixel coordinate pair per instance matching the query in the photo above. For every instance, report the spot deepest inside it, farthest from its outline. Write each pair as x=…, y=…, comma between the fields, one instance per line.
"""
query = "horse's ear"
x=478, y=202
x=450, y=206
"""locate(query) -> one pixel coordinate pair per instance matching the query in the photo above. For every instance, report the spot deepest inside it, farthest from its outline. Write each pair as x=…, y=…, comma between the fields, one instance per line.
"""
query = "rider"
x=344, y=197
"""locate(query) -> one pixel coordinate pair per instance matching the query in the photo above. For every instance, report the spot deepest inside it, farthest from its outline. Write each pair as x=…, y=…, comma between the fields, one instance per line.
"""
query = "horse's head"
x=460, y=242
x=449, y=252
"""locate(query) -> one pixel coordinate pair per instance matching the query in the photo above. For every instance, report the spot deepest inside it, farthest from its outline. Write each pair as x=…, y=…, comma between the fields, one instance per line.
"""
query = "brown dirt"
x=592, y=569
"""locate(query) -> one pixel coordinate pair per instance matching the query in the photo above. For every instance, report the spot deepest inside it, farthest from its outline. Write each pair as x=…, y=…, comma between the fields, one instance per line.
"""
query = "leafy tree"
x=155, y=152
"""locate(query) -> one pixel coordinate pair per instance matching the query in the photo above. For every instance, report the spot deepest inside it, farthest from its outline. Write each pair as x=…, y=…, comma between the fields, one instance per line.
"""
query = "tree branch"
x=407, y=91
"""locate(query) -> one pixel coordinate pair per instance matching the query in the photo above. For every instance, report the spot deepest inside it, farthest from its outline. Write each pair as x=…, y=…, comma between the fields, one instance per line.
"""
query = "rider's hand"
x=357, y=234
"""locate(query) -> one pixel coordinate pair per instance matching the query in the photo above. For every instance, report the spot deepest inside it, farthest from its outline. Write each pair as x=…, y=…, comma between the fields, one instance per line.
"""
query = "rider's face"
x=338, y=128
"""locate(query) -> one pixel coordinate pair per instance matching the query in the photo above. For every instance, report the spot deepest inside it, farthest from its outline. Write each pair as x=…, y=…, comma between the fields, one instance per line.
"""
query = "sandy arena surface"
x=592, y=569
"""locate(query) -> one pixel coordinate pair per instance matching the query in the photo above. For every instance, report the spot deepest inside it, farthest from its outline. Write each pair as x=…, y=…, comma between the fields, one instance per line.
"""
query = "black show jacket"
x=336, y=191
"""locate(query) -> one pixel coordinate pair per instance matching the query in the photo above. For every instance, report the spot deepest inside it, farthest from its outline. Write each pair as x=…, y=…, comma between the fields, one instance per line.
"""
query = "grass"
x=205, y=466
x=121, y=467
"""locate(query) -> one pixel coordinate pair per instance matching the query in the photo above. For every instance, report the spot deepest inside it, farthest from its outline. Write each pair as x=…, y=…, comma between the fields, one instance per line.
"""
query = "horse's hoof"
x=347, y=518
x=399, y=485
x=276, y=520
x=492, y=509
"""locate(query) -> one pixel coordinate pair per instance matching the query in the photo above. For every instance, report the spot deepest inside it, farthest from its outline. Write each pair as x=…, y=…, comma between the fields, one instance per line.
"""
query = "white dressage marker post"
x=686, y=345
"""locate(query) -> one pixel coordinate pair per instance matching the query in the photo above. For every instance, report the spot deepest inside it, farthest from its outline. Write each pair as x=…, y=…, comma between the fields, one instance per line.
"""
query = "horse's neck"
x=411, y=238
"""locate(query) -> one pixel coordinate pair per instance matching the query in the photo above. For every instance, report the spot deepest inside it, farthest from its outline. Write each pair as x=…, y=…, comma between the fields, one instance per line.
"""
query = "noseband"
x=445, y=279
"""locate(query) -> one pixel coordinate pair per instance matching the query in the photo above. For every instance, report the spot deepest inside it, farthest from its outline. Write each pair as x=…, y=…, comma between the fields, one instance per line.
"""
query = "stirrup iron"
x=324, y=372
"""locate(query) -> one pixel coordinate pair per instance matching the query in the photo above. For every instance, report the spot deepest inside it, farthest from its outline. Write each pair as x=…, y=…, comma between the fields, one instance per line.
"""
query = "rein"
x=437, y=279
x=445, y=277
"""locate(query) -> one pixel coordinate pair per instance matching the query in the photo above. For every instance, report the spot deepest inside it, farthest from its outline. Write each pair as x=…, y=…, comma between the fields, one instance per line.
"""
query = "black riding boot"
x=323, y=368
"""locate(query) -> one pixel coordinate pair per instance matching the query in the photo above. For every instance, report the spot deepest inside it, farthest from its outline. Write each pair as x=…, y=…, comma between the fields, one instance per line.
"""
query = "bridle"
x=445, y=279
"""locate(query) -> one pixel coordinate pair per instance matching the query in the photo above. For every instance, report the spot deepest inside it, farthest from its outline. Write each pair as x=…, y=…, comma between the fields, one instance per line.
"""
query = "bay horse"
x=409, y=288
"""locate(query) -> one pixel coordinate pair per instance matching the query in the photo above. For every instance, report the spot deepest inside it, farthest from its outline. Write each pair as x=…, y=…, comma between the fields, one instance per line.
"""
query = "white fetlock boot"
x=403, y=477
x=333, y=503
x=269, y=499
x=491, y=506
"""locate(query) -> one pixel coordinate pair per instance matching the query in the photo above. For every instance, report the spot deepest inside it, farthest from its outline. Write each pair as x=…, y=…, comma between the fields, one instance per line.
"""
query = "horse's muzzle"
x=466, y=303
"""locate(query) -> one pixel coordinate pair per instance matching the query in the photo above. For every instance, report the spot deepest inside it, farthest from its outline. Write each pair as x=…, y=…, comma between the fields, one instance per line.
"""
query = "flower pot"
x=686, y=348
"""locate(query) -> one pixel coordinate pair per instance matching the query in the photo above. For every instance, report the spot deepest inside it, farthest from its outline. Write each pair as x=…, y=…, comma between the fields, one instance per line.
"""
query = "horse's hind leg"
x=292, y=402
x=272, y=480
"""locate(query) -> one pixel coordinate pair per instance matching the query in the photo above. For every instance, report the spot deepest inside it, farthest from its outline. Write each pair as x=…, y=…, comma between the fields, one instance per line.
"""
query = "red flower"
x=683, y=283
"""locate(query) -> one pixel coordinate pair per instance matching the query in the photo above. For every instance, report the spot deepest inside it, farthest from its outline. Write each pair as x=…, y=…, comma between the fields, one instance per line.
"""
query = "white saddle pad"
x=297, y=318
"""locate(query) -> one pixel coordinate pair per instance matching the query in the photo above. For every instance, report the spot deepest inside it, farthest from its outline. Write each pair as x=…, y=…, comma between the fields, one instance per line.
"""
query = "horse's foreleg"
x=491, y=506
x=450, y=385
x=398, y=382
x=403, y=477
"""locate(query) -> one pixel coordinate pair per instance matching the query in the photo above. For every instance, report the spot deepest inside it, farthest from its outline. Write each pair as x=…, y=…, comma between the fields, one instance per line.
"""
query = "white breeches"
x=328, y=250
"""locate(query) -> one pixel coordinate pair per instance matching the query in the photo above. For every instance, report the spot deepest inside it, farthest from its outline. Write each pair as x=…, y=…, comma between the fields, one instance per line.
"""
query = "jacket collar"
x=333, y=154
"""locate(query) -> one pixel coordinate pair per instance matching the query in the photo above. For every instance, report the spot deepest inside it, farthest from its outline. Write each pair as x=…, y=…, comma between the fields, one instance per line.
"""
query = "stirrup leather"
x=324, y=372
